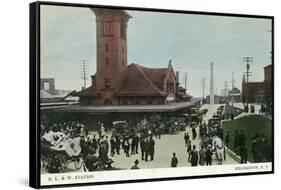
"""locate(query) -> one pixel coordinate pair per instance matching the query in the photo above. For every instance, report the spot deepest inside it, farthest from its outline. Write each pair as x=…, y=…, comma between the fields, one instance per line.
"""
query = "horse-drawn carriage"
x=121, y=128
x=58, y=151
x=60, y=159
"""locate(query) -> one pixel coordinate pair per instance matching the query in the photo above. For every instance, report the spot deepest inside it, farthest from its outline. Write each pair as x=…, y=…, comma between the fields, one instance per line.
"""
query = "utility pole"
x=212, y=99
x=84, y=73
x=225, y=90
x=248, y=60
x=203, y=86
x=271, y=58
x=232, y=82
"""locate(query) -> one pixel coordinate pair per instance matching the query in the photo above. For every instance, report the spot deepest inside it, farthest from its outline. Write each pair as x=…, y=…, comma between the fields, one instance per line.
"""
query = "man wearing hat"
x=209, y=155
x=135, y=167
x=174, y=161
x=194, y=157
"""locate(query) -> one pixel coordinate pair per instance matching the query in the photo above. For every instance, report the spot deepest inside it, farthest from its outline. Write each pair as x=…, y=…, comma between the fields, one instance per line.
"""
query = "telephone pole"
x=248, y=60
x=212, y=99
x=225, y=90
x=84, y=72
x=232, y=82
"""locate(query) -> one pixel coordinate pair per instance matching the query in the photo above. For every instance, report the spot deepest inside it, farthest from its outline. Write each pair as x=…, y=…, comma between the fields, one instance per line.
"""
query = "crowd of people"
x=261, y=148
x=207, y=150
x=98, y=149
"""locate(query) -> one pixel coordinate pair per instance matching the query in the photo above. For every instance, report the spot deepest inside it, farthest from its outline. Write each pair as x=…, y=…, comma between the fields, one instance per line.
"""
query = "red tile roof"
x=91, y=90
x=142, y=81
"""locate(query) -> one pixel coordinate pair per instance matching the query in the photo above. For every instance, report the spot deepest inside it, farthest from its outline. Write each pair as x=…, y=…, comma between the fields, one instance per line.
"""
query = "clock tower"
x=111, y=40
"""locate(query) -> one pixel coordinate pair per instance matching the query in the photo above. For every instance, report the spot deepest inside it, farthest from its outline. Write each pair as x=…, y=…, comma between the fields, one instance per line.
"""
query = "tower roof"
x=117, y=12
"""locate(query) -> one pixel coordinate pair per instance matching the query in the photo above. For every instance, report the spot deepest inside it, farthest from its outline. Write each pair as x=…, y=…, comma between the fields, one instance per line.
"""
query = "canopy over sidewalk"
x=123, y=108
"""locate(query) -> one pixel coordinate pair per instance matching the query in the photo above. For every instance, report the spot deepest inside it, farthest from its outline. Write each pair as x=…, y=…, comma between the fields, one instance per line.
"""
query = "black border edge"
x=34, y=164
x=34, y=117
x=85, y=5
x=273, y=96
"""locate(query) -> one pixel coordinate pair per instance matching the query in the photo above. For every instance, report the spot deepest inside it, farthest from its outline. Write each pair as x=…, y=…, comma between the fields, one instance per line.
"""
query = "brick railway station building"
x=116, y=82
x=259, y=92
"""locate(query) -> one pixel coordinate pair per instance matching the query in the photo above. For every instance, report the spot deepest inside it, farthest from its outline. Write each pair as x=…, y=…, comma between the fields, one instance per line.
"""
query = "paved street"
x=164, y=148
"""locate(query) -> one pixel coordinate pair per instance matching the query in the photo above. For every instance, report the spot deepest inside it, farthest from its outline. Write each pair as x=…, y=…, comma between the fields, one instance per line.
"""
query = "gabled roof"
x=90, y=91
x=184, y=95
x=234, y=91
x=144, y=81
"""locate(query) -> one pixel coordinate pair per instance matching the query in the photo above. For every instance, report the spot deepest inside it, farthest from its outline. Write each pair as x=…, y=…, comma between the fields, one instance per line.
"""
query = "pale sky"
x=68, y=35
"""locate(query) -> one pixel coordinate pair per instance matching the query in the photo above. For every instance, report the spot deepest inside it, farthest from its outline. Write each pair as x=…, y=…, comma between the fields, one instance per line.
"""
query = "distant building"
x=217, y=99
x=49, y=94
x=258, y=91
x=225, y=92
x=116, y=82
x=234, y=95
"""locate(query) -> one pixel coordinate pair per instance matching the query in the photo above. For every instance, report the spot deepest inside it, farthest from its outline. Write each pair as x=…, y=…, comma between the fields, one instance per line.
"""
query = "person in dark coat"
x=194, y=156
x=84, y=147
x=89, y=163
x=188, y=149
x=106, y=144
x=103, y=152
x=126, y=148
x=146, y=149
x=243, y=154
x=202, y=156
x=252, y=108
x=232, y=116
x=194, y=133
x=254, y=147
x=137, y=140
x=186, y=138
x=151, y=148
x=242, y=140
x=117, y=144
x=227, y=139
x=174, y=161
x=54, y=166
x=94, y=144
x=259, y=149
x=135, y=166
x=209, y=154
x=236, y=142
x=142, y=146
x=135, y=144
x=112, y=146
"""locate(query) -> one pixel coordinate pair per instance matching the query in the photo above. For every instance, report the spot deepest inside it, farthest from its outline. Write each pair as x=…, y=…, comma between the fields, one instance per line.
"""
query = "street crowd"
x=99, y=149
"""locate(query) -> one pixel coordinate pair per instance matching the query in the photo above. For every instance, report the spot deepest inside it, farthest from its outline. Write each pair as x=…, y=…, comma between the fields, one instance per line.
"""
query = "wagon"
x=48, y=155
